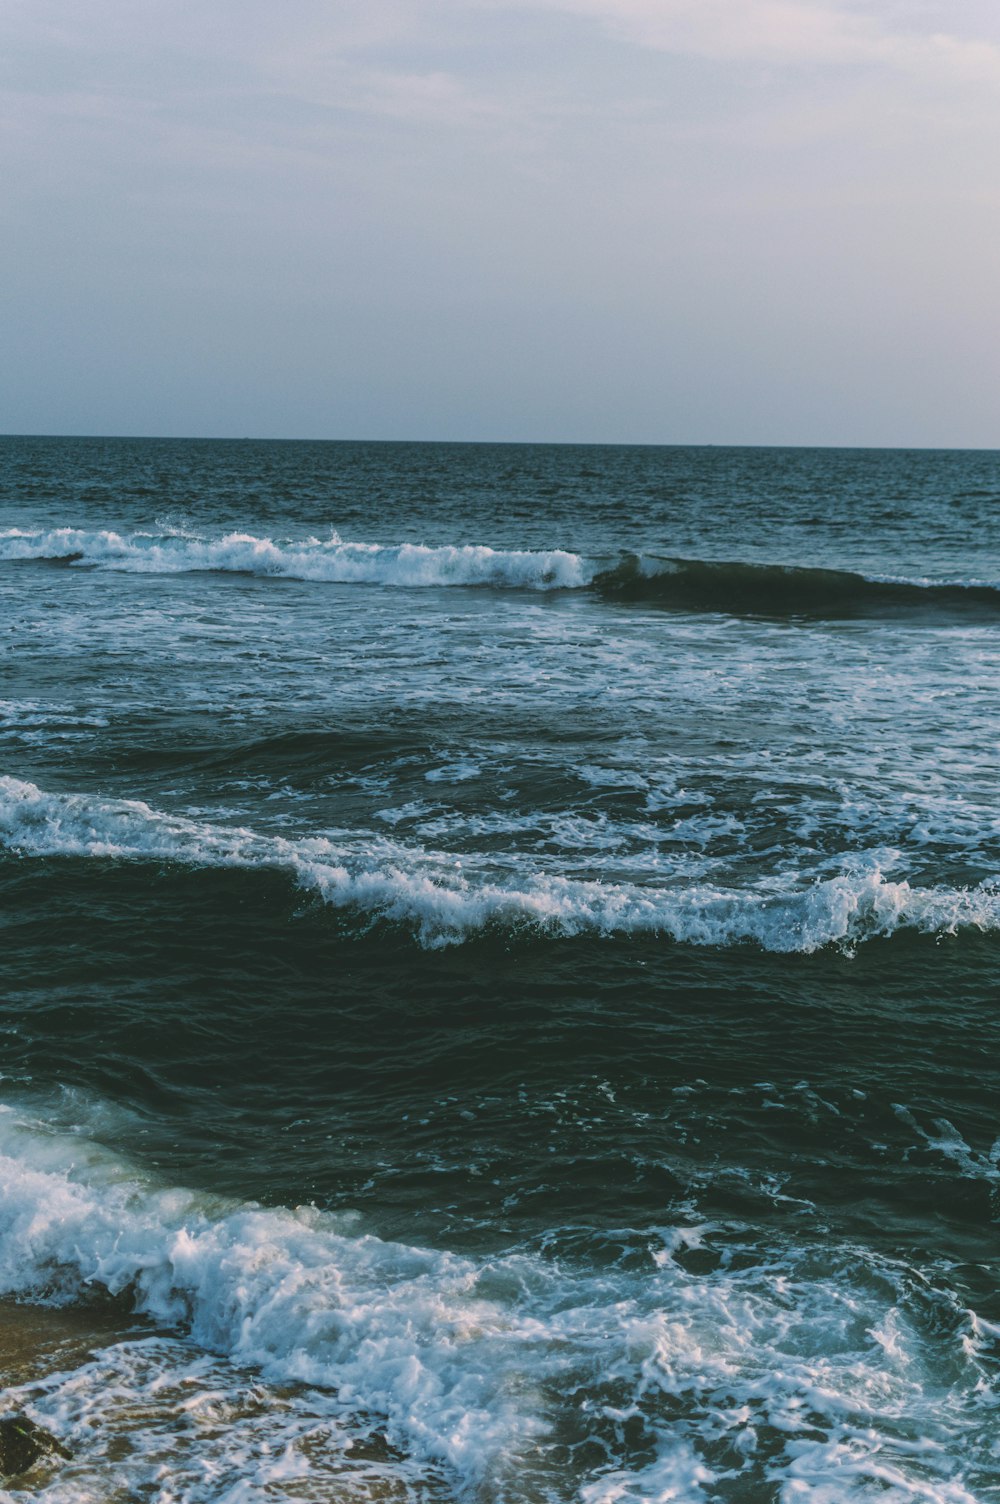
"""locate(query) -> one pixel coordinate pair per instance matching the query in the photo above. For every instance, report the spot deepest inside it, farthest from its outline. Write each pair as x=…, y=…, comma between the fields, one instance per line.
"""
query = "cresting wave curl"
x=424, y=892
x=652, y=579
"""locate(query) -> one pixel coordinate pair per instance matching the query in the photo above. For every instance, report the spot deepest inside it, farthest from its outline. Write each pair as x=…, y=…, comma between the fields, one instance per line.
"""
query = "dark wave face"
x=500, y=1000
x=786, y=590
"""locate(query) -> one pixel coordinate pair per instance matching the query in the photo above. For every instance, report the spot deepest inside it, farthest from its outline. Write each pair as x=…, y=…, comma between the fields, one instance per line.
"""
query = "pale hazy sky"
x=663, y=221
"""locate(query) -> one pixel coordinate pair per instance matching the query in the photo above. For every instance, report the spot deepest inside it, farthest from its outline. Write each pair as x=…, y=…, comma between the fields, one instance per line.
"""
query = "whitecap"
x=444, y=899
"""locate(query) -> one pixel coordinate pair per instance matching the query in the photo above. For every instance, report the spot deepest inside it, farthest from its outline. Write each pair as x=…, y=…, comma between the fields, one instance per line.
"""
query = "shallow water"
x=500, y=970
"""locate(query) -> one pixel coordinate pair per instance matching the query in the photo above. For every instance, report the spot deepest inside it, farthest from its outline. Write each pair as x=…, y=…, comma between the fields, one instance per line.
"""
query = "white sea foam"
x=393, y=1328
x=35, y=723
x=807, y=1365
x=445, y=899
x=327, y=559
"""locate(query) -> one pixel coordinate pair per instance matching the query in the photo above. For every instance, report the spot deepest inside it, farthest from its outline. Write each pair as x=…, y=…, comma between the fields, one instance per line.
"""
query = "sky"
x=619, y=221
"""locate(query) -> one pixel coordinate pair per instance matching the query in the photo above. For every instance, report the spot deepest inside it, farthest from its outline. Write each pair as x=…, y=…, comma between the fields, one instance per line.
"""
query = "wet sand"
x=39, y=1340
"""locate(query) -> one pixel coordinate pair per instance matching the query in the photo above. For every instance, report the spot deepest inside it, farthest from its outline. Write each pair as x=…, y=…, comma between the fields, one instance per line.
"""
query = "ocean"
x=500, y=972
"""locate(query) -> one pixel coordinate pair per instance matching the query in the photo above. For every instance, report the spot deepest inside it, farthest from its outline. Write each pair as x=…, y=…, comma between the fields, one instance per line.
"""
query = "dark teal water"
x=499, y=955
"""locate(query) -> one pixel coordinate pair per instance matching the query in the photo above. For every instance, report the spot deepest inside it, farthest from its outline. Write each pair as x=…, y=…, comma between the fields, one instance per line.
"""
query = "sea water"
x=499, y=967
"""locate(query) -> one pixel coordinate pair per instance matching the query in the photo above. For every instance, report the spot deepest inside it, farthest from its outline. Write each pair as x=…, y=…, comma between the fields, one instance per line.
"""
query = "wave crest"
x=328, y=560
x=665, y=581
x=434, y=896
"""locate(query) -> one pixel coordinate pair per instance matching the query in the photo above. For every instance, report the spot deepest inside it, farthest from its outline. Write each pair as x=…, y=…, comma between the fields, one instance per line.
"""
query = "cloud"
x=477, y=65
x=554, y=217
x=795, y=32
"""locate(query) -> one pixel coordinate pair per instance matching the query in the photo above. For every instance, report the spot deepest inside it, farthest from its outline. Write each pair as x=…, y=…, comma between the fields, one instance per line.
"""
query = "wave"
x=444, y=900
x=664, y=581
x=786, y=589
x=398, y=1329
x=328, y=560
x=503, y=1371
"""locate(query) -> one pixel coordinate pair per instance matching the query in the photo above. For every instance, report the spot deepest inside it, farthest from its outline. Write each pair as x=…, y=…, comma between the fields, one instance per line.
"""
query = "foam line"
x=432, y=894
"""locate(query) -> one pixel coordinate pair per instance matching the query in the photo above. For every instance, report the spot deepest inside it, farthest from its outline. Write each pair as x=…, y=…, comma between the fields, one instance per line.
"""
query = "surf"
x=656, y=581
x=797, y=1360
x=442, y=900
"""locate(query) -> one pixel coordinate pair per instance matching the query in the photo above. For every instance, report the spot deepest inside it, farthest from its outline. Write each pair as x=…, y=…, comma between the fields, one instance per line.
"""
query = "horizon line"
x=182, y=438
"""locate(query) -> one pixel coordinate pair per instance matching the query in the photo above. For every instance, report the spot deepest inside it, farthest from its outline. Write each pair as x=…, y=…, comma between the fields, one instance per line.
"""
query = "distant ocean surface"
x=500, y=961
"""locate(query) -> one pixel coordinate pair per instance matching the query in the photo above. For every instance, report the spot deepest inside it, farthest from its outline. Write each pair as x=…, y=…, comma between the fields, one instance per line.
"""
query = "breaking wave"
x=443, y=900
x=329, y=560
x=804, y=1364
x=654, y=580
